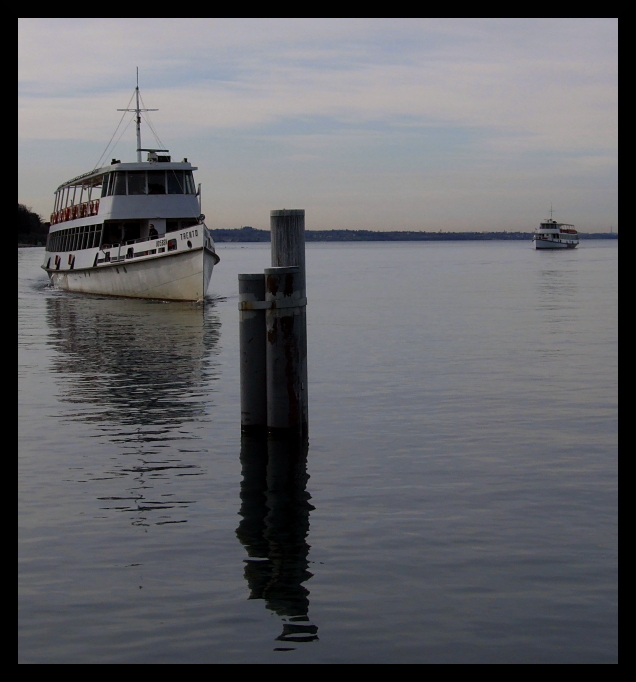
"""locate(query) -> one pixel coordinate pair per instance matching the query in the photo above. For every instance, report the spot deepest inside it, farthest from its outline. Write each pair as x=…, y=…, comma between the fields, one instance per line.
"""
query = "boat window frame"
x=190, y=187
x=118, y=185
x=105, y=184
x=75, y=238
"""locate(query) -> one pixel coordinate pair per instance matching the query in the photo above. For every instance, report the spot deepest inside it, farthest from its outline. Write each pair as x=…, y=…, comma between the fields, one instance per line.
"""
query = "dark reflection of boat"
x=138, y=372
x=275, y=509
x=139, y=362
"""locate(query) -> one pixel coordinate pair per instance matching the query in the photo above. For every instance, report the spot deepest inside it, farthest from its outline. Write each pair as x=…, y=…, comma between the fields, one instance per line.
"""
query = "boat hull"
x=182, y=276
x=540, y=244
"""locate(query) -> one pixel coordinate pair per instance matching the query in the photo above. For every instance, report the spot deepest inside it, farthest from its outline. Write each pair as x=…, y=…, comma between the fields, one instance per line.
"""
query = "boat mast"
x=138, y=111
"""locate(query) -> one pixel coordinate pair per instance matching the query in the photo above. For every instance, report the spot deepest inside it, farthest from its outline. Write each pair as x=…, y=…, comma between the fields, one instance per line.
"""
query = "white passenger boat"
x=132, y=229
x=554, y=235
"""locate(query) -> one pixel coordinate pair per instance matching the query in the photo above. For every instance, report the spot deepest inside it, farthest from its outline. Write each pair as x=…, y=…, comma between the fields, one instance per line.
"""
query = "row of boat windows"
x=148, y=182
x=74, y=238
x=560, y=235
x=128, y=182
x=88, y=236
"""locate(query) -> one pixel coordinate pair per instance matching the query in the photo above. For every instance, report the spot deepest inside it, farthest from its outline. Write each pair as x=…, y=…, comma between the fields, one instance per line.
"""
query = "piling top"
x=287, y=212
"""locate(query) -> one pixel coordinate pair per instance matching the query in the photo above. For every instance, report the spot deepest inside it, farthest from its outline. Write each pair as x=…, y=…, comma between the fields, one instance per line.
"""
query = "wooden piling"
x=252, y=353
x=273, y=334
x=286, y=350
x=288, y=241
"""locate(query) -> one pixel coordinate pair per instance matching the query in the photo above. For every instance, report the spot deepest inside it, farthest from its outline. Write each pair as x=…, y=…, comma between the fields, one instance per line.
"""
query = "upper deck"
x=554, y=226
x=156, y=188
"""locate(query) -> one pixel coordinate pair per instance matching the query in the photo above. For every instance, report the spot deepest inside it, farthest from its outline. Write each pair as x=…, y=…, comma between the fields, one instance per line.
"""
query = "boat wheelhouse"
x=132, y=229
x=554, y=235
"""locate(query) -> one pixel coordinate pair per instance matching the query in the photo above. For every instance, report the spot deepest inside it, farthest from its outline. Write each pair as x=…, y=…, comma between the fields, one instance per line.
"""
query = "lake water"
x=457, y=502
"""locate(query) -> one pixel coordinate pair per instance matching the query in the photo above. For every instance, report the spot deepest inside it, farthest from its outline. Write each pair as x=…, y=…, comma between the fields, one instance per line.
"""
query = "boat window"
x=172, y=225
x=175, y=182
x=132, y=231
x=112, y=233
x=189, y=183
x=156, y=182
x=106, y=184
x=136, y=182
x=120, y=182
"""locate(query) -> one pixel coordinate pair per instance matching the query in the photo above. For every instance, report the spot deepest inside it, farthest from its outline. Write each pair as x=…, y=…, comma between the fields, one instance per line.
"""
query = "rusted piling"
x=252, y=353
x=286, y=350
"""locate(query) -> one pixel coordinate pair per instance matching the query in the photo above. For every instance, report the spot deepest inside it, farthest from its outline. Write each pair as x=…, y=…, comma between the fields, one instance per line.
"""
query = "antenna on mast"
x=138, y=111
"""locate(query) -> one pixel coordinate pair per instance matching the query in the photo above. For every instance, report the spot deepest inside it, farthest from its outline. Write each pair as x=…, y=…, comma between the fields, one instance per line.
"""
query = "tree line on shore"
x=249, y=234
x=32, y=230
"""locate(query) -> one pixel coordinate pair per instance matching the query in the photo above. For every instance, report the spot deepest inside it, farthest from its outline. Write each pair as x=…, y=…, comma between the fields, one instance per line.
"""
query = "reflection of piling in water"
x=275, y=509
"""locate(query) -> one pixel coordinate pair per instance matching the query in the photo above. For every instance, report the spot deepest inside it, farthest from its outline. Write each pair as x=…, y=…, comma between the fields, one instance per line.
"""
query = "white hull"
x=540, y=244
x=179, y=276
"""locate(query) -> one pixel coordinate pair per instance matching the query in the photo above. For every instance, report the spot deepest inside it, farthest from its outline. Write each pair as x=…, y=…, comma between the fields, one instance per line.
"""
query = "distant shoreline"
x=249, y=234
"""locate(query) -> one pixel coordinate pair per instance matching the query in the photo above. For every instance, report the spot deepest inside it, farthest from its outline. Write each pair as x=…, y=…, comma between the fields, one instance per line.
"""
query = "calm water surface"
x=457, y=502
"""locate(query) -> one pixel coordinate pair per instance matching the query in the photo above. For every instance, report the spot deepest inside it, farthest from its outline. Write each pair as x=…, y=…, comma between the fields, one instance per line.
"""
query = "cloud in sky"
x=374, y=124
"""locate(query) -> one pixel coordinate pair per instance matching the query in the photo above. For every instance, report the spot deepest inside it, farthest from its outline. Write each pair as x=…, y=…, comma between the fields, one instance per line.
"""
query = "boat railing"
x=130, y=254
x=128, y=242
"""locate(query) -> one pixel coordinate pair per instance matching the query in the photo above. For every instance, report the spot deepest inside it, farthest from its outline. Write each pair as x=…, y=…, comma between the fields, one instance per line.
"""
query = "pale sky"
x=380, y=124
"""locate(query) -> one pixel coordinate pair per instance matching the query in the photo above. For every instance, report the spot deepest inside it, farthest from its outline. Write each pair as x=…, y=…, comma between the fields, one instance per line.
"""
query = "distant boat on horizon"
x=554, y=235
